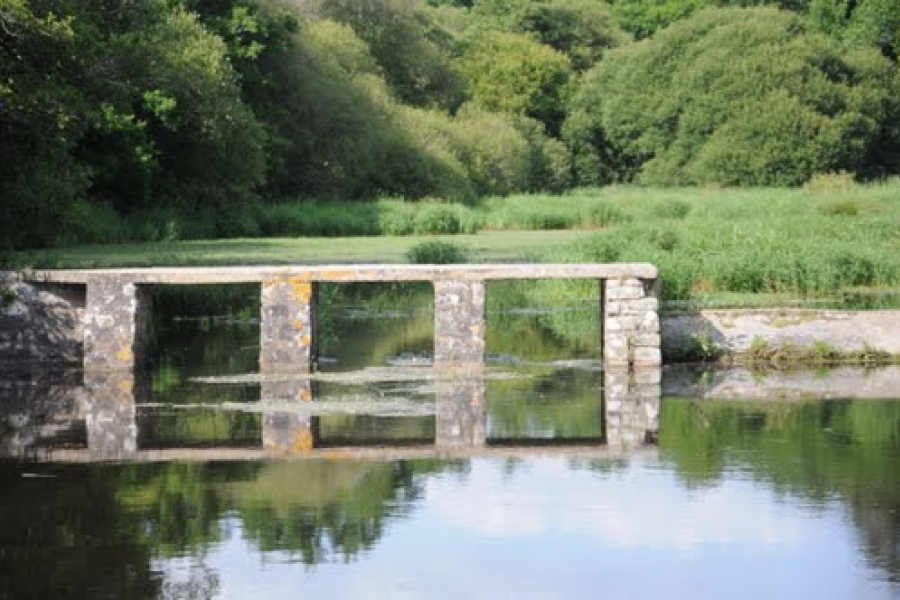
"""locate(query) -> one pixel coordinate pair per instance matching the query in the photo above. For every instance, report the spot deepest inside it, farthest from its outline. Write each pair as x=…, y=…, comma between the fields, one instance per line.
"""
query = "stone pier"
x=286, y=433
x=460, y=413
x=631, y=406
x=287, y=325
x=116, y=321
x=631, y=324
x=459, y=325
x=110, y=413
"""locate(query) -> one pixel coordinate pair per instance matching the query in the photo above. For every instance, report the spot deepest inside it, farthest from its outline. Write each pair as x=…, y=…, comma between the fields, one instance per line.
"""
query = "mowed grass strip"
x=489, y=246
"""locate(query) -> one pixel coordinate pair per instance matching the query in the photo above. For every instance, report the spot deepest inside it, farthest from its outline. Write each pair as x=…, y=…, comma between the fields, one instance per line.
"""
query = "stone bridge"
x=117, y=311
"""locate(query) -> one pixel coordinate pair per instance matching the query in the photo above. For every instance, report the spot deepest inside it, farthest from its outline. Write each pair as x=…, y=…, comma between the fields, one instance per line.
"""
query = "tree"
x=412, y=49
x=513, y=74
x=863, y=22
x=580, y=29
x=130, y=104
x=735, y=97
x=643, y=18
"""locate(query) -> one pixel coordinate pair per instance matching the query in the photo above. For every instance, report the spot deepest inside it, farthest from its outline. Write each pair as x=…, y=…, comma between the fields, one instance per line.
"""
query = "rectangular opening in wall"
x=203, y=389
x=375, y=351
x=546, y=333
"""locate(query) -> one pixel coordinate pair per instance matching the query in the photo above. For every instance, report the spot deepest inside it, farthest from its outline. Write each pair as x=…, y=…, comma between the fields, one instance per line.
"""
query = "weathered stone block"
x=287, y=326
x=646, y=356
x=630, y=290
x=459, y=325
x=110, y=412
x=649, y=322
x=647, y=376
x=621, y=323
x=117, y=324
x=461, y=413
x=646, y=340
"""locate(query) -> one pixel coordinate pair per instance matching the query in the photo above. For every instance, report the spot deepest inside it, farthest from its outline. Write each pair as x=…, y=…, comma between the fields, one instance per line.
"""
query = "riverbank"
x=827, y=247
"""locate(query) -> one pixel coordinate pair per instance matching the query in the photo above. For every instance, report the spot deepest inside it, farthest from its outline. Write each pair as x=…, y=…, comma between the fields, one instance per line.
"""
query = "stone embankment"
x=40, y=322
x=741, y=334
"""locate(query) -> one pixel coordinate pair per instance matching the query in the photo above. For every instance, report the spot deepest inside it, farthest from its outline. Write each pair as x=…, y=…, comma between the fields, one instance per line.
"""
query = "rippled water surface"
x=541, y=477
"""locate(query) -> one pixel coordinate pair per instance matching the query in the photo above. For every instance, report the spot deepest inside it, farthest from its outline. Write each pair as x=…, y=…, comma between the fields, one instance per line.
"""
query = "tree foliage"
x=159, y=119
x=129, y=104
x=580, y=29
x=735, y=97
x=513, y=74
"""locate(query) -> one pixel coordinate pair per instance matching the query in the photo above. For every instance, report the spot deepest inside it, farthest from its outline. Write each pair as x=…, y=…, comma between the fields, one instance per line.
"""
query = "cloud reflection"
x=643, y=507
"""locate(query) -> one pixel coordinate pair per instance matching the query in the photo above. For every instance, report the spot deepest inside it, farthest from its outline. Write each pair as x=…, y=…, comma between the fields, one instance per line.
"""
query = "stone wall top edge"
x=348, y=273
x=774, y=311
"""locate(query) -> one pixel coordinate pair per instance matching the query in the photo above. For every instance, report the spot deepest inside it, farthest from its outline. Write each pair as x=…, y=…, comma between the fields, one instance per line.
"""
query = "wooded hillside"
x=134, y=111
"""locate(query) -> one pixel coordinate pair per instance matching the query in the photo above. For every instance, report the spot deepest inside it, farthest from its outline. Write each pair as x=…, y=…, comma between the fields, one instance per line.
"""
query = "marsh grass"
x=823, y=245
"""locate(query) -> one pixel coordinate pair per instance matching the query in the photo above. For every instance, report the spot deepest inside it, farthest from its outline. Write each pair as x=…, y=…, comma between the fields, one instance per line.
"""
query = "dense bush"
x=436, y=252
x=735, y=97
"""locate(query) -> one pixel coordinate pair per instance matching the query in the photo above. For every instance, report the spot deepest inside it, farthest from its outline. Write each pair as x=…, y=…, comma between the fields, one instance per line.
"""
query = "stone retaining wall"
x=41, y=322
x=733, y=333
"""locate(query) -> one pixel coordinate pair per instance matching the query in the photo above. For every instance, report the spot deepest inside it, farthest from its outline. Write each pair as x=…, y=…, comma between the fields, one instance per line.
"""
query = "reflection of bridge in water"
x=111, y=408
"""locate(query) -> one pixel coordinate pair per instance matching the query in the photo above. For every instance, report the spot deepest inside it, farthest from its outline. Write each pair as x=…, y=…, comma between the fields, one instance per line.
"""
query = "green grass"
x=825, y=245
x=489, y=246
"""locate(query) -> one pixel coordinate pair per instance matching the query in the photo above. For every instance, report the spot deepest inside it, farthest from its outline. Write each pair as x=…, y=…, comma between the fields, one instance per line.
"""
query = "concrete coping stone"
x=348, y=273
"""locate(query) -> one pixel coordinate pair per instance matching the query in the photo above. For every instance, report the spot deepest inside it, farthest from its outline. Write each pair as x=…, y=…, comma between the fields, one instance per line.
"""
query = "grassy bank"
x=834, y=244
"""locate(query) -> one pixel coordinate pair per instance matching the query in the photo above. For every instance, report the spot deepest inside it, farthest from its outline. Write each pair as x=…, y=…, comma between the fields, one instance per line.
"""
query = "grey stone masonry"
x=631, y=323
x=286, y=433
x=116, y=317
x=632, y=401
x=459, y=326
x=287, y=325
x=116, y=324
x=460, y=419
x=110, y=413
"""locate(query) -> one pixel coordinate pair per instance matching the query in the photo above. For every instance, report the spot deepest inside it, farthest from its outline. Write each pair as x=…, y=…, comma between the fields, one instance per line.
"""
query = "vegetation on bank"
x=158, y=120
x=833, y=241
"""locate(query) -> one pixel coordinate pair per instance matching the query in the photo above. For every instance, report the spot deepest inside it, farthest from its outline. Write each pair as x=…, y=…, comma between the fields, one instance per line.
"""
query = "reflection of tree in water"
x=202, y=584
x=177, y=508
x=65, y=536
x=319, y=510
x=814, y=450
x=323, y=510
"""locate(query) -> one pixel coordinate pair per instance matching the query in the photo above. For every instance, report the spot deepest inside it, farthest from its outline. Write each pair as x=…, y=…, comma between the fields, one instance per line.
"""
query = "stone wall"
x=40, y=322
x=732, y=333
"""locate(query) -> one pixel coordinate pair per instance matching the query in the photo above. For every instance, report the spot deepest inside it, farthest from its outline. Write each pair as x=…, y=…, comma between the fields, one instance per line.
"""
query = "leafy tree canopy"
x=735, y=97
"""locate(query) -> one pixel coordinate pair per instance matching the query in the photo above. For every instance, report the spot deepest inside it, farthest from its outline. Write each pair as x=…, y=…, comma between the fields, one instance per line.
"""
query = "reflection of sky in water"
x=545, y=530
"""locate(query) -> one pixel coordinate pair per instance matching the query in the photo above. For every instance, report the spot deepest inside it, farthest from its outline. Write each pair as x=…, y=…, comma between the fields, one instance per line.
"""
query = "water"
x=541, y=478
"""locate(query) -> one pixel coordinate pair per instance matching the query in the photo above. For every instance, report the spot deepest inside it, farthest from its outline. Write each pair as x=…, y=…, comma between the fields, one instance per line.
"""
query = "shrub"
x=672, y=209
x=840, y=180
x=600, y=214
x=437, y=253
x=85, y=222
x=440, y=218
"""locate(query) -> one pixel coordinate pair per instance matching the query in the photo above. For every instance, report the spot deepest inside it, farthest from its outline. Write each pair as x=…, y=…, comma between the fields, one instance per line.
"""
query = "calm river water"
x=541, y=477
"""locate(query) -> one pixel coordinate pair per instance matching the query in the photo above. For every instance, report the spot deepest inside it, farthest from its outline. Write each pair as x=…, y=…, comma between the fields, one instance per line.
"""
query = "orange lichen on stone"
x=301, y=289
x=126, y=386
x=302, y=442
x=125, y=355
x=342, y=275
